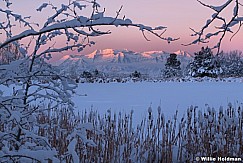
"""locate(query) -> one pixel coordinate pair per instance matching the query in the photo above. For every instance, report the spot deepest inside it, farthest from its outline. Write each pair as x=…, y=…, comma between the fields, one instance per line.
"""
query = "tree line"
x=206, y=64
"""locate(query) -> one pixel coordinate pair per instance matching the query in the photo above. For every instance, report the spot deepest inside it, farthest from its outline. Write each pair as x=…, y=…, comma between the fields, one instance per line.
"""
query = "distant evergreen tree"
x=136, y=74
x=205, y=64
x=172, y=67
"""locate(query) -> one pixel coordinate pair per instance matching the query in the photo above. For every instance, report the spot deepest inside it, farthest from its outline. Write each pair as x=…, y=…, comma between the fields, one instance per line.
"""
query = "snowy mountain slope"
x=116, y=56
x=183, y=54
x=120, y=61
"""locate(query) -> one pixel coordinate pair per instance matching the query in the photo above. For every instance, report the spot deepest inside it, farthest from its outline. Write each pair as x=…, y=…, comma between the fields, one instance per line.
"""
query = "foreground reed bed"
x=90, y=137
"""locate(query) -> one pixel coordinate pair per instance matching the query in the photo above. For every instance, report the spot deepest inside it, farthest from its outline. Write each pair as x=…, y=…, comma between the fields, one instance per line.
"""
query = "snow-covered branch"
x=78, y=22
x=218, y=16
x=84, y=22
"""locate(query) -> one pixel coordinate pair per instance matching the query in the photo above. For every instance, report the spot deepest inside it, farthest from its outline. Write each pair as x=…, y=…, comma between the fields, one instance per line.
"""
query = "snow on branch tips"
x=218, y=16
x=68, y=17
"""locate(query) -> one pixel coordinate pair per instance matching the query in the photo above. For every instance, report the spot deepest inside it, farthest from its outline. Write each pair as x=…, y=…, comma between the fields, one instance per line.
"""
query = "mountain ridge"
x=120, y=61
x=107, y=55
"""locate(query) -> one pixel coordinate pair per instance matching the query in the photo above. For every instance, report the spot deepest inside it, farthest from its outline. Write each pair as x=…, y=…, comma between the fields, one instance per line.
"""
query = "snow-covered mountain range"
x=120, y=61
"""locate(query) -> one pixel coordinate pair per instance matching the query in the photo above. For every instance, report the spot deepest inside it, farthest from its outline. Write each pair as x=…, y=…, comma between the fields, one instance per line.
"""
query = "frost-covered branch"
x=202, y=36
x=73, y=24
x=75, y=21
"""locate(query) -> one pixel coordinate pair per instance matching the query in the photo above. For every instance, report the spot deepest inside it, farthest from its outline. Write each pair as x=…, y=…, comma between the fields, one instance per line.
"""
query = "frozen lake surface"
x=171, y=96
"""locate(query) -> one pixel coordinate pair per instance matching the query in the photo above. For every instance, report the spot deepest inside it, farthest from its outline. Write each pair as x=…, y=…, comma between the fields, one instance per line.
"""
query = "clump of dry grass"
x=113, y=137
x=211, y=133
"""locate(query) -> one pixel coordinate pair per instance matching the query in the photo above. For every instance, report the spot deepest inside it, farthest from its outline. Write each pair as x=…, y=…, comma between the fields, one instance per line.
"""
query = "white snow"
x=173, y=96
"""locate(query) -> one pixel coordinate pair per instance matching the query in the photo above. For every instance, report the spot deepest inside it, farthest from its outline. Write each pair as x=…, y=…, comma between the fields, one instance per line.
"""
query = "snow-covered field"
x=171, y=96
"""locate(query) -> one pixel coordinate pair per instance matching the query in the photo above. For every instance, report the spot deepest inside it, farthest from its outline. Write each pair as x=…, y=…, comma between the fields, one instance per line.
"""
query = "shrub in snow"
x=87, y=75
x=205, y=64
x=136, y=74
x=232, y=64
x=11, y=52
